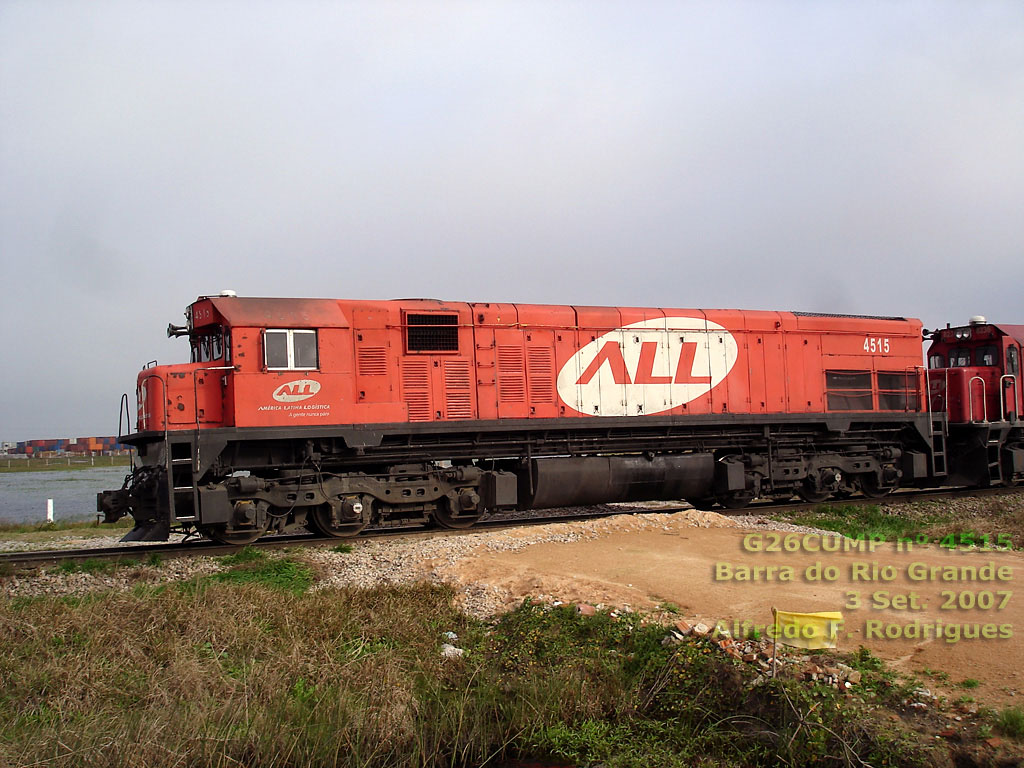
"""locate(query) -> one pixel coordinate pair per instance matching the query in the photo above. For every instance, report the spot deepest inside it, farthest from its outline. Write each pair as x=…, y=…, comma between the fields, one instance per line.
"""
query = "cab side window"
x=290, y=350
x=208, y=347
x=1012, y=361
x=987, y=355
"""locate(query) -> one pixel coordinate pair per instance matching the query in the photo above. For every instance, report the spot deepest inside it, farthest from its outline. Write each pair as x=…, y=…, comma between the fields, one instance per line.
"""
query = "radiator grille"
x=416, y=388
x=541, y=374
x=511, y=375
x=457, y=392
x=372, y=361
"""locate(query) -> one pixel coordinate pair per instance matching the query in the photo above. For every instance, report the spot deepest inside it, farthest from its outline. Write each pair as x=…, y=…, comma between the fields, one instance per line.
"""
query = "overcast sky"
x=824, y=156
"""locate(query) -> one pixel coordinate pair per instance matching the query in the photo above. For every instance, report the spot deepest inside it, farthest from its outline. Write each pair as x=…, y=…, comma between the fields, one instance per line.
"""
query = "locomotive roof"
x=312, y=313
x=1016, y=332
x=328, y=313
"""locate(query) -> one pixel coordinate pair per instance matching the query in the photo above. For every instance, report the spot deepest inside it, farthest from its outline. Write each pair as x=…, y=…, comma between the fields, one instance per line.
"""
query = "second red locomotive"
x=335, y=414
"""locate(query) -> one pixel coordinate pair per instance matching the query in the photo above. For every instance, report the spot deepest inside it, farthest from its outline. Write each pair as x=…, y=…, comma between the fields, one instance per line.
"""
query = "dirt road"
x=917, y=608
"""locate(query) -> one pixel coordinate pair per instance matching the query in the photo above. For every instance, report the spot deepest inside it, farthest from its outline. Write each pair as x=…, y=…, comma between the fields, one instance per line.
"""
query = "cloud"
x=862, y=157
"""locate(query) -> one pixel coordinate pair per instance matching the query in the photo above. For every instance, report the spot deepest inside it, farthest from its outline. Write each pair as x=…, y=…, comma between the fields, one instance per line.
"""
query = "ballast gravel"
x=386, y=561
x=433, y=557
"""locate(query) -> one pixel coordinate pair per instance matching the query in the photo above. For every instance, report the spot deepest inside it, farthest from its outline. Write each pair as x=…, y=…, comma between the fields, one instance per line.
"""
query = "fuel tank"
x=563, y=482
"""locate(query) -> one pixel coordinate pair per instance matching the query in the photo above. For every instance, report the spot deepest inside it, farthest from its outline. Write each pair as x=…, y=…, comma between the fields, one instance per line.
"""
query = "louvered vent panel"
x=372, y=361
x=511, y=375
x=416, y=388
x=541, y=374
x=457, y=393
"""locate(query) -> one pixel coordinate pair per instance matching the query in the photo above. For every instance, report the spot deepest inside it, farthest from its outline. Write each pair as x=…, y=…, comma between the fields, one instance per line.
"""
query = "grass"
x=63, y=525
x=89, y=565
x=1010, y=722
x=868, y=520
x=260, y=670
x=934, y=521
x=62, y=463
x=942, y=677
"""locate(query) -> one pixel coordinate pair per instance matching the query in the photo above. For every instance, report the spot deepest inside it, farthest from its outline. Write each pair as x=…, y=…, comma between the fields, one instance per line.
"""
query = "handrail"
x=928, y=389
x=163, y=399
x=1002, y=395
x=124, y=413
x=195, y=400
x=945, y=392
x=916, y=369
x=970, y=398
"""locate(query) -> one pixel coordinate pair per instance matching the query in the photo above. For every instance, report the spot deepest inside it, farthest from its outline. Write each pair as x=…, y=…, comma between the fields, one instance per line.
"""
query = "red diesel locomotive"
x=333, y=414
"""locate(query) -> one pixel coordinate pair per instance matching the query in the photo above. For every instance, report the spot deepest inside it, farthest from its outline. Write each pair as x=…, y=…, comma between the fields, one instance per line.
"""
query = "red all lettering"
x=611, y=353
x=295, y=388
x=684, y=369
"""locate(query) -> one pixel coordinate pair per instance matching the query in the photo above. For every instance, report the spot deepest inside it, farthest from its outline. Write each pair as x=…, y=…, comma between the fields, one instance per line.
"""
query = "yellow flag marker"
x=807, y=630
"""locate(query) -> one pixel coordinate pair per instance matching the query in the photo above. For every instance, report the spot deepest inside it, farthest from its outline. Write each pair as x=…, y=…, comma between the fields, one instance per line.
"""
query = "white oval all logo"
x=294, y=391
x=647, y=367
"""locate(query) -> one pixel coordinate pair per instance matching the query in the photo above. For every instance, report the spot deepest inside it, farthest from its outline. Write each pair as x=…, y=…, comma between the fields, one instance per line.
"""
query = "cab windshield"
x=209, y=347
x=987, y=355
x=959, y=357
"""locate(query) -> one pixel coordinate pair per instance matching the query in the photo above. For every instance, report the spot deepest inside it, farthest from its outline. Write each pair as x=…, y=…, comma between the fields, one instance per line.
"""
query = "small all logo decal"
x=648, y=367
x=294, y=391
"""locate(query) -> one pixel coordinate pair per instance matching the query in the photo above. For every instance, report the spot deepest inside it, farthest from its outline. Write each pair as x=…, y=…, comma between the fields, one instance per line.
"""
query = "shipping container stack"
x=82, y=446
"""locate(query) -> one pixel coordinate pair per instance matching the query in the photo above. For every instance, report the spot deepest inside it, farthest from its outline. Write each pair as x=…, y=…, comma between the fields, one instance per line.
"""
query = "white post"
x=49, y=510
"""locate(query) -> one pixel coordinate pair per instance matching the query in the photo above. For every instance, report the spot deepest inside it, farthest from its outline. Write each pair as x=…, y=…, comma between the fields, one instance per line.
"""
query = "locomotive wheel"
x=813, y=495
x=736, y=499
x=318, y=520
x=704, y=503
x=251, y=520
x=445, y=517
x=234, y=538
x=870, y=488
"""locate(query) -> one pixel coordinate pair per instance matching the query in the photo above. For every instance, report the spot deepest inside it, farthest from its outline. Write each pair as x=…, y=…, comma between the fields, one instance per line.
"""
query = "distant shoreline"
x=62, y=463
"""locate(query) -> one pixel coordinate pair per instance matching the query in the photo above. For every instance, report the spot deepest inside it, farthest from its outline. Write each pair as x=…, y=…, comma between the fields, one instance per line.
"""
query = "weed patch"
x=1010, y=722
x=868, y=520
x=228, y=673
x=282, y=574
x=244, y=555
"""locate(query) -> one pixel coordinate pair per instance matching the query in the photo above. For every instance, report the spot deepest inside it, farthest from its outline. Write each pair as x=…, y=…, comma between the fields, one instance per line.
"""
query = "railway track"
x=202, y=547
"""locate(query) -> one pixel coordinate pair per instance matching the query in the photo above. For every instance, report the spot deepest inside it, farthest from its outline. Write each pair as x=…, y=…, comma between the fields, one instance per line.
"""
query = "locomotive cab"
x=974, y=378
x=189, y=395
x=974, y=372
